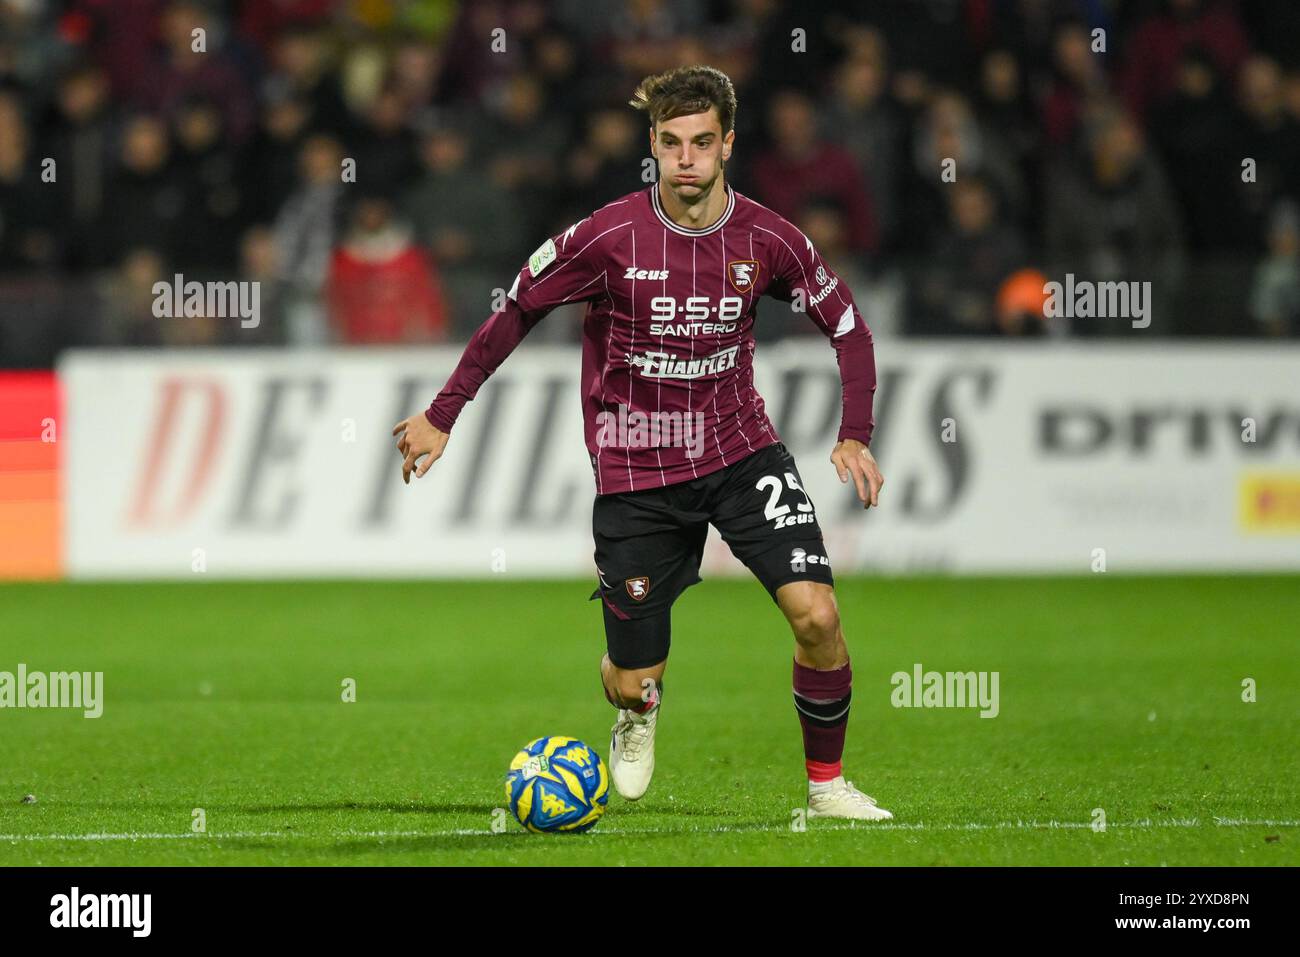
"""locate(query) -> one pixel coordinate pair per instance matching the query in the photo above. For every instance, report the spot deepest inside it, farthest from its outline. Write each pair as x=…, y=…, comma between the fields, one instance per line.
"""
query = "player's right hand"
x=417, y=437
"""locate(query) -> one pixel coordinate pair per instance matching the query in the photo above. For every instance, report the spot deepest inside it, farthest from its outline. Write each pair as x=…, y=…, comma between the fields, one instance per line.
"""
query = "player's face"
x=691, y=150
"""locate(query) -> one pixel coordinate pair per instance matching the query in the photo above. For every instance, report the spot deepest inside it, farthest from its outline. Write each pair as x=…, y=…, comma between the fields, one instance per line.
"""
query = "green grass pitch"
x=1120, y=693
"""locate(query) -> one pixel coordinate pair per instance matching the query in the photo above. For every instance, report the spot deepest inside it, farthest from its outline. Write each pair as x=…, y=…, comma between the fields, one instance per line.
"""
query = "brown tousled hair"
x=684, y=91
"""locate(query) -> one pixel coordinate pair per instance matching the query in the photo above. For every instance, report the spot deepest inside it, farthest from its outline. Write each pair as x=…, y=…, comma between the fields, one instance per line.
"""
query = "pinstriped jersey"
x=668, y=346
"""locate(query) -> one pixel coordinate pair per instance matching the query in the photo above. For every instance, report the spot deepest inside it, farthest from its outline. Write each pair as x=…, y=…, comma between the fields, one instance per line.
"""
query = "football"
x=557, y=784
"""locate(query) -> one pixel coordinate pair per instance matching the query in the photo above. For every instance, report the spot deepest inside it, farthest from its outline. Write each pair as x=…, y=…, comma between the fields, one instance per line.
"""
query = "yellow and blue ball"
x=557, y=784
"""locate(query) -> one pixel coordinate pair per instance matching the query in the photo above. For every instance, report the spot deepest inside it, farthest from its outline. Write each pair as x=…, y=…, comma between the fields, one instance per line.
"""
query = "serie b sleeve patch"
x=543, y=257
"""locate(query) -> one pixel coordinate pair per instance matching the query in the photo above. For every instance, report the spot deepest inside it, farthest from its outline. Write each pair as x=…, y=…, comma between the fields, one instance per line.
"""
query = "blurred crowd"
x=1152, y=141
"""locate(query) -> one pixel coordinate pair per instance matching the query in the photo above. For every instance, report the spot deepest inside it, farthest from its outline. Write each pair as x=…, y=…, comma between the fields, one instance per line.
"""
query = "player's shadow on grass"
x=412, y=807
x=631, y=809
x=397, y=807
x=676, y=809
x=432, y=844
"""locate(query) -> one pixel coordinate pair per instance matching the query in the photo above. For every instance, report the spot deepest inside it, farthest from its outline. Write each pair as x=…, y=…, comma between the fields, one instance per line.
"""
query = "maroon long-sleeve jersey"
x=668, y=345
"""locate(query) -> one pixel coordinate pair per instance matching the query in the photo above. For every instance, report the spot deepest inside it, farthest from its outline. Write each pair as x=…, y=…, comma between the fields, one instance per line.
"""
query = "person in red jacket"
x=383, y=287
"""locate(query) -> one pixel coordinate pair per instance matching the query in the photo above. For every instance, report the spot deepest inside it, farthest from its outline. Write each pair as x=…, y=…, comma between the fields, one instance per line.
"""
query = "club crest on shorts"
x=743, y=273
x=638, y=587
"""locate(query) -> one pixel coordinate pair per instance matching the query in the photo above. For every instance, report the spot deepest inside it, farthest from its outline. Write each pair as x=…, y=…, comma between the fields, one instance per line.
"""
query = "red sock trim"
x=820, y=771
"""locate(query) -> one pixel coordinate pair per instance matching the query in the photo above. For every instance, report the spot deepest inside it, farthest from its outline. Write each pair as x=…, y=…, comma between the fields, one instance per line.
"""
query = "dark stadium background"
x=224, y=164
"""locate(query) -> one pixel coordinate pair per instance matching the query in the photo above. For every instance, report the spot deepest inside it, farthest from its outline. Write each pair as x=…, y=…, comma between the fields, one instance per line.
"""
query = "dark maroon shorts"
x=649, y=543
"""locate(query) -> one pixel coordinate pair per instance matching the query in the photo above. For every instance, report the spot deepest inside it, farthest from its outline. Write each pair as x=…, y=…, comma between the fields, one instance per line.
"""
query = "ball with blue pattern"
x=557, y=784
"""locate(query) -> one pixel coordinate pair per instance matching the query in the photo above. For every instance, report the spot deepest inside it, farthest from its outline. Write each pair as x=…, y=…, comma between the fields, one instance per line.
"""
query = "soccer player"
x=677, y=434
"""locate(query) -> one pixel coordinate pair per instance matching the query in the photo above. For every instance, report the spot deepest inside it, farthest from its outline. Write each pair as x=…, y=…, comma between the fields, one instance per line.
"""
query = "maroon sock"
x=821, y=699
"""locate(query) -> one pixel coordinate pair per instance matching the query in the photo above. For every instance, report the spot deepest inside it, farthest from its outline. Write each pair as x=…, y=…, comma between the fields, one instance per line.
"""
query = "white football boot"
x=843, y=800
x=632, y=752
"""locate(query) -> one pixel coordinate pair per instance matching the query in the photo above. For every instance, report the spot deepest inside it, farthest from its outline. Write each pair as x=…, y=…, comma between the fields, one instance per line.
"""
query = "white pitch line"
x=720, y=829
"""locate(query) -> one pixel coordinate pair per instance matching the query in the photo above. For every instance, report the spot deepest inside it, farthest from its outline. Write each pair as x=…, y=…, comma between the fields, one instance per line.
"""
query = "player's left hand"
x=851, y=457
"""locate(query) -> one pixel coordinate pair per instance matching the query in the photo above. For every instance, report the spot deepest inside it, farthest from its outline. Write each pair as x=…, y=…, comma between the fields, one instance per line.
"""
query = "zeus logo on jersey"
x=634, y=273
x=664, y=365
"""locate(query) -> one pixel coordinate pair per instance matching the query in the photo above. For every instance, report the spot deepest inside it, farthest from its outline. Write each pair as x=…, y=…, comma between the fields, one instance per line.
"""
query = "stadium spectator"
x=1004, y=103
x=1266, y=134
x=265, y=23
x=801, y=162
x=27, y=222
x=1079, y=81
x=1022, y=305
x=639, y=35
x=956, y=292
x=524, y=145
x=33, y=44
x=214, y=210
x=303, y=71
x=127, y=298
x=559, y=70
x=1151, y=55
x=1275, y=298
x=414, y=75
x=305, y=230
x=146, y=202
x=259, y=263
x=465, y=222
x=383, y=144
x=79, y=134
x=862, y=118
x=179, y=71
x=383, y=288
x=270, y=165
x=1291, y=95
x=947, y=144
x=1111, y=217
x=613, y=144
x=1189, y=128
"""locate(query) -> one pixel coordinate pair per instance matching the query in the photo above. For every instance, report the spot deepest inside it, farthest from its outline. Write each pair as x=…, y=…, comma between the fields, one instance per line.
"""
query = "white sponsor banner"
x=997, y=457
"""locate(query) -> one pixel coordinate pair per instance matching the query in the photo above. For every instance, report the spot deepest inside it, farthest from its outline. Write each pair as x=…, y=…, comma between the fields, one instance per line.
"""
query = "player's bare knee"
x=823, y=623
x=811, y=611
x=815, y=620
